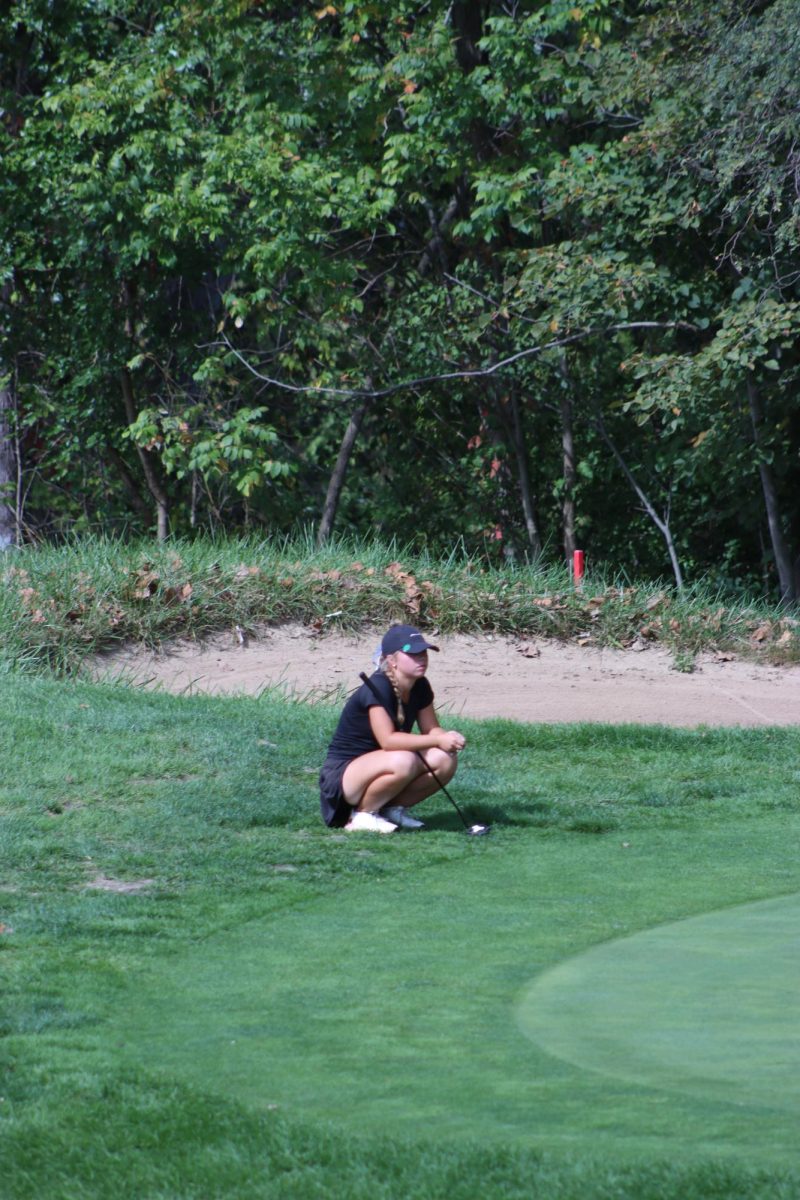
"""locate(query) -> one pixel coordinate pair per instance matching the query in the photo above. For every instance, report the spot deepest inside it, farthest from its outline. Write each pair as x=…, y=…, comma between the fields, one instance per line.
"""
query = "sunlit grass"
x=143, y=833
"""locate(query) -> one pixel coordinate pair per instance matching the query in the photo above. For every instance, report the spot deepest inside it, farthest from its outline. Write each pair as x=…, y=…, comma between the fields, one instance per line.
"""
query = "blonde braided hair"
x=388, y=670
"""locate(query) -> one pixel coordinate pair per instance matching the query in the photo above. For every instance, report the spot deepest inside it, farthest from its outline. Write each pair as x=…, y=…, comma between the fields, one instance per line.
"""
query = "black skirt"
x=336, y=812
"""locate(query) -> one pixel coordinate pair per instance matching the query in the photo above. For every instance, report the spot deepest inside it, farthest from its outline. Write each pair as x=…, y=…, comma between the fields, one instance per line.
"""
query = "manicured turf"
x=269, y=1010
x=396, y=1003
x=706, y=1006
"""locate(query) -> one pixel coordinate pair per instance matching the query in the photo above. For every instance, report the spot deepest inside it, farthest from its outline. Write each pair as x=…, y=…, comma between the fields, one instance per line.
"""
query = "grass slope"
x=59, y=604
x=120, y=1007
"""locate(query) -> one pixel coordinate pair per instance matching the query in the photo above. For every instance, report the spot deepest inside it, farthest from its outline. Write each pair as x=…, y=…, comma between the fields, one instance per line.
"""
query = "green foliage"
x=238, y=447
x=599, y=196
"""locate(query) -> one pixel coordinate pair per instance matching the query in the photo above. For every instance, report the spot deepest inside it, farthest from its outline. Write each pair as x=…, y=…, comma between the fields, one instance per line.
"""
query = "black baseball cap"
x=406, y=638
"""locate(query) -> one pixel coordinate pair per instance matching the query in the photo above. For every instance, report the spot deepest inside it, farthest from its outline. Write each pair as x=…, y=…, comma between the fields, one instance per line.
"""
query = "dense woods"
x=520, y=274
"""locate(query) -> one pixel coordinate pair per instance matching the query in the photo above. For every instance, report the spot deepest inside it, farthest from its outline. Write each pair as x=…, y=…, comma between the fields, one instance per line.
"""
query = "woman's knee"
x=405, y=764
x=442, y=763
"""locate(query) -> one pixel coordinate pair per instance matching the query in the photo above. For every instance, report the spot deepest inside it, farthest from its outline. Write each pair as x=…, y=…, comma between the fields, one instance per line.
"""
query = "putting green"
x=391, y=1004
x=708, y=1005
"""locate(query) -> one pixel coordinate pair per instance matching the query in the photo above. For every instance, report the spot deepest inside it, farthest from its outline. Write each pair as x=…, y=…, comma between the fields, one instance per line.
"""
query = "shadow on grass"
x=517, y=815
x=524, y=814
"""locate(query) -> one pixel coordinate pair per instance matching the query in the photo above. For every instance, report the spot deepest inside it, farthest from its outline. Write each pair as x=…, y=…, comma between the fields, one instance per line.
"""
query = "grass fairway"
x=705, y=1006
x=581, y=1005
x=401, y=1003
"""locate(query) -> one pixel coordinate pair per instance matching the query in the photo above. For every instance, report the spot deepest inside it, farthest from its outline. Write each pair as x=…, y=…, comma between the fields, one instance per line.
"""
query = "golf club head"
x=478, y=830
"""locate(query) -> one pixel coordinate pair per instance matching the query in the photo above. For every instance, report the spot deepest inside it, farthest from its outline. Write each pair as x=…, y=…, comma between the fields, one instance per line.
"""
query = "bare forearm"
x=412, y=741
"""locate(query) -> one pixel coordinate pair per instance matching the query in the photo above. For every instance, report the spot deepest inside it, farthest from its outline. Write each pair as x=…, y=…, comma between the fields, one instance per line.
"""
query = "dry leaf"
x=527, y=650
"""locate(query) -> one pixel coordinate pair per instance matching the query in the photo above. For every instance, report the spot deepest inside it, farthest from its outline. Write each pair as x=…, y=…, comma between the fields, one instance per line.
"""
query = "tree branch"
x=463, y=373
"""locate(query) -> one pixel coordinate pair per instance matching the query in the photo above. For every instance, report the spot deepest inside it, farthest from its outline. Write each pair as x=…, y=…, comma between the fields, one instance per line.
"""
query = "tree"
x=512, y=264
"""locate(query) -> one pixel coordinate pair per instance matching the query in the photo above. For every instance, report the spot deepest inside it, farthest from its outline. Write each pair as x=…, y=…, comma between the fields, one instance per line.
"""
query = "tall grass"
x=60, y=604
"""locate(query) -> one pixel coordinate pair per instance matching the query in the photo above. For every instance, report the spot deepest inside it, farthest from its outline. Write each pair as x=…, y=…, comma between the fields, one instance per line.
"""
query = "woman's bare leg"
x=425, y=785
x=395, y=777
x=375, y=779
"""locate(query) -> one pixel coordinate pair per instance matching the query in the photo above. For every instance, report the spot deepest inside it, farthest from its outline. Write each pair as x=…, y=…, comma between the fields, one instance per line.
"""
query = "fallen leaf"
x=655, y=601
x=527, y=650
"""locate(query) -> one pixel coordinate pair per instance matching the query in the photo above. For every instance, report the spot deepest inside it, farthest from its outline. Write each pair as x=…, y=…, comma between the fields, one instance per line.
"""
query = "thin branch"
x=463, y=373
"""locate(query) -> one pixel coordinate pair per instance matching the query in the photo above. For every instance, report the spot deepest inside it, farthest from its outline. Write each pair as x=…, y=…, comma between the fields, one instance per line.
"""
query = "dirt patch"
x=125, y=887
x=481, y=676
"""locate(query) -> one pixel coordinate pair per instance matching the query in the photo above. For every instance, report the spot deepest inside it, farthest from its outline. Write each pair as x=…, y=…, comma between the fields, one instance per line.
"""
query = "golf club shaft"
x=418, y=753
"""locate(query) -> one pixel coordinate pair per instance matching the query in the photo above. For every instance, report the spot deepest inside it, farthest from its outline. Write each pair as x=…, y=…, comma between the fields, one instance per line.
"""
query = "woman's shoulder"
x=422, y=692
x=381, y=684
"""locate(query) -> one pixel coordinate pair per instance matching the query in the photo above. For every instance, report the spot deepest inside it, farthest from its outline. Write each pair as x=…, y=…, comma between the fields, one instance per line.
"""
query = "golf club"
x=472, y=830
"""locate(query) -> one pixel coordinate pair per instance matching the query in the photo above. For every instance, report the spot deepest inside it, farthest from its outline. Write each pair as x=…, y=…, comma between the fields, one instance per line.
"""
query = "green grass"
x=705, y=1006
x=60, y=604
x=288, y=1011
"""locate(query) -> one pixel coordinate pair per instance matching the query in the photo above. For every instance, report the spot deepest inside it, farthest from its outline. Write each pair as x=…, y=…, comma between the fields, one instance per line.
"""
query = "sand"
x=482, y=676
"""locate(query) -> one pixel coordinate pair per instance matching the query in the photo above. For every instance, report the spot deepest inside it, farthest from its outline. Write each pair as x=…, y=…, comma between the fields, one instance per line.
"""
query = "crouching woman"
x=374, y=773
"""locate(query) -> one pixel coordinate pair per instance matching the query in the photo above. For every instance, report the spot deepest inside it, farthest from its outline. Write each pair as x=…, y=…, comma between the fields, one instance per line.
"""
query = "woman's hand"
x=451, y=741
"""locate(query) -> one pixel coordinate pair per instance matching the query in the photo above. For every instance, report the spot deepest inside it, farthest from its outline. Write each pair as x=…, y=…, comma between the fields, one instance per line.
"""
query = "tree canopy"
x=515, y=272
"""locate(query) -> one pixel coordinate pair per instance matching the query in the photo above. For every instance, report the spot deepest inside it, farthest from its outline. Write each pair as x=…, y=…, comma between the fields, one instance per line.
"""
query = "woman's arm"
x=431, y=734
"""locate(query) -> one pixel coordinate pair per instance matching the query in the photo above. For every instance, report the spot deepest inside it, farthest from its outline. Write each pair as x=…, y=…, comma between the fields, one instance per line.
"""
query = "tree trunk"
x=520, y=450
x=498, y=422
x=8, y=473
x=129, y=483
x=9, y=530
x=568, y=452
x=337, y=478
x=145, y=458
x=468, y=23
x=153, y=482
x=780, y=548
x=661, y=523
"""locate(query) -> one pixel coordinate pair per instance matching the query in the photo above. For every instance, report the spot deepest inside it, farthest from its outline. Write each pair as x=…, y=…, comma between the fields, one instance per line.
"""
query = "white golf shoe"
x=367, y=822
